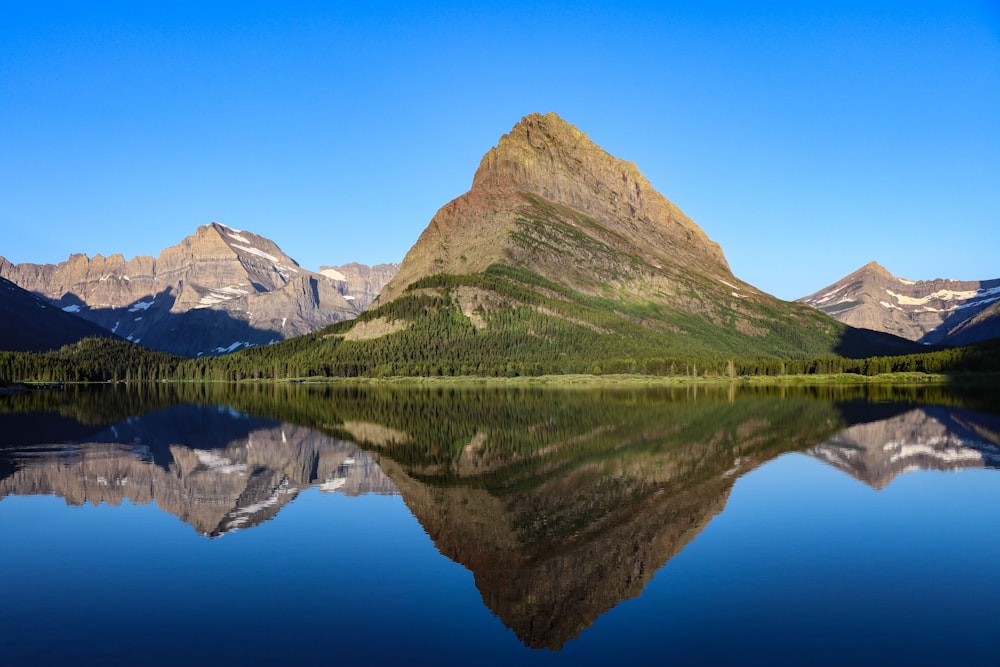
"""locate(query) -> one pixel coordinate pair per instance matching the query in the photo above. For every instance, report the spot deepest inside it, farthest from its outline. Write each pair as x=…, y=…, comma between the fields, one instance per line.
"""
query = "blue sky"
x=806, y=138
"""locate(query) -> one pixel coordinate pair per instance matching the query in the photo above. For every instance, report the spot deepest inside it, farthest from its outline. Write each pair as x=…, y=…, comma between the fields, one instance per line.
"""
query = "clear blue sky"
x=806, y=138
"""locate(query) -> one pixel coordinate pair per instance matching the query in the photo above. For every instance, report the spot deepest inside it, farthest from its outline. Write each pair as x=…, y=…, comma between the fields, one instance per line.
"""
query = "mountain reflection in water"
x=561, y=504
x=213, y=467
x=928, y=438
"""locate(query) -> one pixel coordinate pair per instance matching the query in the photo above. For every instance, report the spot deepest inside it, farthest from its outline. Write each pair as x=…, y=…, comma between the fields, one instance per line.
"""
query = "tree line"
x=105, y=360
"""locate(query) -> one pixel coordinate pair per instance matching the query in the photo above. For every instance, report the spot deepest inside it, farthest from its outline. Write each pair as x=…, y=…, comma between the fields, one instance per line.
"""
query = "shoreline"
x=578, y=380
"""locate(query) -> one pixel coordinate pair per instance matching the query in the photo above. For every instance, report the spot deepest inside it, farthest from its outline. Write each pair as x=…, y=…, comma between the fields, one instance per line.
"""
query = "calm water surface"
x=279, y=524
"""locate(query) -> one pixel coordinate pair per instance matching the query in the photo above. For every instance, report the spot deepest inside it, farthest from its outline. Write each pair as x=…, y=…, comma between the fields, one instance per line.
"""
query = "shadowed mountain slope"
x=31, y=324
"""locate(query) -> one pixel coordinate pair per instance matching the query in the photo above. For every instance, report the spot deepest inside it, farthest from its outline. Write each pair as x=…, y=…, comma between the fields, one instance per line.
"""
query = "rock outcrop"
x=950, y=312
x=219, y=290
x=359, y=283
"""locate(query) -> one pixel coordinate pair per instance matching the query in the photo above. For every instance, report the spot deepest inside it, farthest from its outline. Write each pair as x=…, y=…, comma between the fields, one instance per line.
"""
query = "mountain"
x=950, y=312
x=564, y=258
x=359, y=283
x=548, y=200
x=31, y=324
x=216, y=291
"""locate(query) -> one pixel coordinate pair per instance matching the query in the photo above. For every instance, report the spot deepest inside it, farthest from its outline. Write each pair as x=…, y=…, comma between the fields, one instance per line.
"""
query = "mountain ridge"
x=215, y=291
x=938, y=311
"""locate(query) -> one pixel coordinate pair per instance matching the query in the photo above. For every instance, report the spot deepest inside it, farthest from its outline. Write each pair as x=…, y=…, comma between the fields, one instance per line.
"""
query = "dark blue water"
x=670, y=537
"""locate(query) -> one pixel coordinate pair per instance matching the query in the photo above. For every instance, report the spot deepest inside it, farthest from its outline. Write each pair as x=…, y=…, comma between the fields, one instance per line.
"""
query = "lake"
x=209, y=524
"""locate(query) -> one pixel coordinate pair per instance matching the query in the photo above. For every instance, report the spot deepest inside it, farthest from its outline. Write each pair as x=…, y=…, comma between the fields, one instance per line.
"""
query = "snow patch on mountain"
x=220, y=294
x=140, y=305
x=967, y=299
x=832, y=293
x=237, y=237
x=232, y=348
x=257, y=251
x=940, y=295
x=334, y=274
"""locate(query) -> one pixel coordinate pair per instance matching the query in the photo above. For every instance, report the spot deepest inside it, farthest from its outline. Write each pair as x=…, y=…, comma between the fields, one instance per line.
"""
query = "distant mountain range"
x=217, y=291
x=559, y=258
x=948, y=312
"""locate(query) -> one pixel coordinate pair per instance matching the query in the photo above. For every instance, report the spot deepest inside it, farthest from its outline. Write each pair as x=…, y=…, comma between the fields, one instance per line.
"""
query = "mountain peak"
x=538, y=143
x=546, y=156
x=926, y=311
x=875, y=267
x=224, y=288
x=548, y=172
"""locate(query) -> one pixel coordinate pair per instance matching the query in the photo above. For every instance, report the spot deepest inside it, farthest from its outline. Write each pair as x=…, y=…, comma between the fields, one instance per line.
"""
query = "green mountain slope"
x=507, y=321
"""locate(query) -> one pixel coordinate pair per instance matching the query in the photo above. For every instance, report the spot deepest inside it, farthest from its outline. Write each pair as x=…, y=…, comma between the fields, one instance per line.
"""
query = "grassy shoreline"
x=584, y=380
x=588, y=380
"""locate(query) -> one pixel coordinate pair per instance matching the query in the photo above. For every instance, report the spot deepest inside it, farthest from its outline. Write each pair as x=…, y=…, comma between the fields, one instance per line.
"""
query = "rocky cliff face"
x=31, y=324
x=920, y=439
x=954, y=312
x=548, y=199
x=217, y=291
x=358, y=283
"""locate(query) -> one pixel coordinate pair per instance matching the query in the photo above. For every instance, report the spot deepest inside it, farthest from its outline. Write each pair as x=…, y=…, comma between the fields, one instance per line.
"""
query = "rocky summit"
x=950, y=312
x=548, y=199
x=219, y=290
